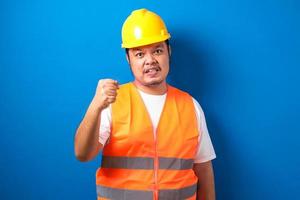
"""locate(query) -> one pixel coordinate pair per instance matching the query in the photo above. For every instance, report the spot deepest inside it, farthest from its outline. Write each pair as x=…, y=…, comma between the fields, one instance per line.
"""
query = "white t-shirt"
x=154, y=105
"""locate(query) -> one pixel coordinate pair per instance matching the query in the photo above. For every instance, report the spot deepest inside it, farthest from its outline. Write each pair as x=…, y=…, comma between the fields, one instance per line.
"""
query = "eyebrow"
x=158, y=46
x=136, y=49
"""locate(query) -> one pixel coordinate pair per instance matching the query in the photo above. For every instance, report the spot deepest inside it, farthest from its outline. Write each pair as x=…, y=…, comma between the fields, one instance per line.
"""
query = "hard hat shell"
x=143, y=27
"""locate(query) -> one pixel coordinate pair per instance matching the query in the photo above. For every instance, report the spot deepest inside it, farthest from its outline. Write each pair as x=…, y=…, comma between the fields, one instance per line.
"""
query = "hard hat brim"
x=145, y=41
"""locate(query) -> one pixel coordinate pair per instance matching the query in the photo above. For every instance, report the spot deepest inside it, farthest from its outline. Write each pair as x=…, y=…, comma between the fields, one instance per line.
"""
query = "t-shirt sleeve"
x=105, y=125
x=205, y=151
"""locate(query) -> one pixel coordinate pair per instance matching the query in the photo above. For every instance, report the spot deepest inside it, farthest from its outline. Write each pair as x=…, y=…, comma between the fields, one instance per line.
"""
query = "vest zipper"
x=155, y=168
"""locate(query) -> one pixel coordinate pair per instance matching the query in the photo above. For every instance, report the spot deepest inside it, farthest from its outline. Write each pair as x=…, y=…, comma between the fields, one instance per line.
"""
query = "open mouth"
x=152, y=70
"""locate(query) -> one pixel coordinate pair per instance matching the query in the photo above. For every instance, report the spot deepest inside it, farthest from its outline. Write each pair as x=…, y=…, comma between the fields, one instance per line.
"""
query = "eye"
x=139, y=54
x=158, y=51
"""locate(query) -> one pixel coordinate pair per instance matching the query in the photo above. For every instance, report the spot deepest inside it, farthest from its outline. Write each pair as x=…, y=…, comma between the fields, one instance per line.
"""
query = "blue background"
x=239, y=59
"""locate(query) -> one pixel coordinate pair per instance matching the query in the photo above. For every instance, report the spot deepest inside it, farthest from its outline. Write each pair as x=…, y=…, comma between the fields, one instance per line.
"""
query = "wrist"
x=96, y=105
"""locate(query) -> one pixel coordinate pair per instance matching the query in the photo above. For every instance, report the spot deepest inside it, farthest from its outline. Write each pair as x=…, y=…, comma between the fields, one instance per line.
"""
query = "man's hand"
x=87, y=144
x=106, y=92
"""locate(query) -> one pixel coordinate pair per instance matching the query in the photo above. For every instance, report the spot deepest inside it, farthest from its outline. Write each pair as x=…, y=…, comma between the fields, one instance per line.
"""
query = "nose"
x=150, y=59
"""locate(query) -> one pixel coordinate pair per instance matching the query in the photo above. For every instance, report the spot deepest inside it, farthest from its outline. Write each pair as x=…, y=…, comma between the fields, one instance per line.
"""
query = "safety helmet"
x=143, y=27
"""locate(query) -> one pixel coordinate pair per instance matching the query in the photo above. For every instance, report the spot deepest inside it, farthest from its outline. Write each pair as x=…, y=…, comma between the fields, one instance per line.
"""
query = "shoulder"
x=125, y=87
x=123, y=92
x=197, y=106
x=178, y=93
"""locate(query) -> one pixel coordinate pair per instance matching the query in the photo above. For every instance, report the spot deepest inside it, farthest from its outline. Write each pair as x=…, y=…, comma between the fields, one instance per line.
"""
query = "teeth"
x=150, y=70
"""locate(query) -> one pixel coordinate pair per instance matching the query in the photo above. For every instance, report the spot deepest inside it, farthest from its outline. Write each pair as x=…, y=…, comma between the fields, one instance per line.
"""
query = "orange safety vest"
x=138, y=166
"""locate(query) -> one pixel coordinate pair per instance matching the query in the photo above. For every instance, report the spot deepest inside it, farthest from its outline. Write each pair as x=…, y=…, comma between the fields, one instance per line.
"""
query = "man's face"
x=150, y=64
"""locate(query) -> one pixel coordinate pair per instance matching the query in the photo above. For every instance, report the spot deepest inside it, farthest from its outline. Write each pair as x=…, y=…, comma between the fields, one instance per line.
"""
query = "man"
x=154, y=137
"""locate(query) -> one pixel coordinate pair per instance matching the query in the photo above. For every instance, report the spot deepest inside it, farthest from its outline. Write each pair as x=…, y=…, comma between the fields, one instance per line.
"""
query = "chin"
x=154, y=82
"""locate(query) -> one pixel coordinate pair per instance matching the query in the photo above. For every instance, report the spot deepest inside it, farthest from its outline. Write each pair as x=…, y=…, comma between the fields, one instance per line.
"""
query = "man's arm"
x=86, y=144
x=206, y=184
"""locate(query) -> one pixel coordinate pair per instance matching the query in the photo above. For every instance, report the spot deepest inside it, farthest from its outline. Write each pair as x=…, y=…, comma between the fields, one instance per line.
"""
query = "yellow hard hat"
x=143, y=27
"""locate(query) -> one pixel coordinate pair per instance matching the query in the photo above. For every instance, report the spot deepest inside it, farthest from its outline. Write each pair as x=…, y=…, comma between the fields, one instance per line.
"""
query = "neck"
x=158, y=89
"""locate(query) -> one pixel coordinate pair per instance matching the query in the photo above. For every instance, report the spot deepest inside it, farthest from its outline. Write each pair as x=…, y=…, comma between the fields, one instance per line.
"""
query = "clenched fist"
x=106, y=92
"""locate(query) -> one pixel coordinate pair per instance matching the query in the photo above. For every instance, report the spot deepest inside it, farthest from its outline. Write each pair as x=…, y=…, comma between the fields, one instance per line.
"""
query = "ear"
x=127, y=58
x=170, y=50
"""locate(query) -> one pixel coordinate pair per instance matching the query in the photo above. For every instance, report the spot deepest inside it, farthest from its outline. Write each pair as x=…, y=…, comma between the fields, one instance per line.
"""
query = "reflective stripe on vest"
x=118, y=162
x=127, y=162
x=175, y=163
x=126, y=194
x=123, y=194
